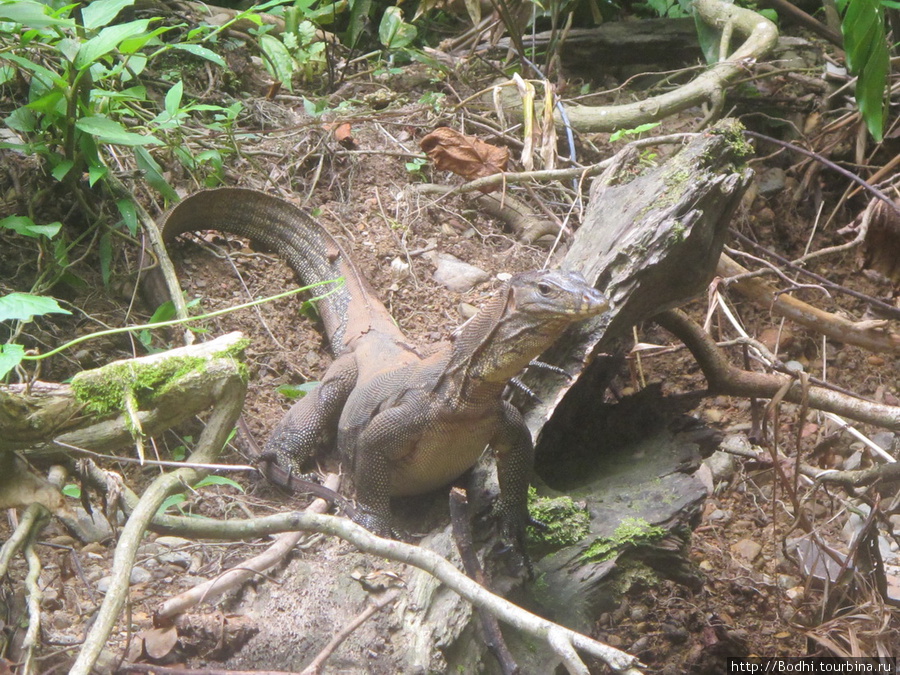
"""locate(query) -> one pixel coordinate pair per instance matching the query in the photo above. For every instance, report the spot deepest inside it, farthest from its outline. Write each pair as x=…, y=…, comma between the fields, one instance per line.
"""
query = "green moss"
x=631, y=573
x=106, y=390
x=566, y=522
x=630, y=532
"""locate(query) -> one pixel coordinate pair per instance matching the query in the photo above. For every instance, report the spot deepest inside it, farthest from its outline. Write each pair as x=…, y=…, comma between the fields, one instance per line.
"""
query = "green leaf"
x=131, y=45
x=173, y=98
x=46, y=76
x=22, y=119
x=359, y=13
x=62, y=169
x=25, y=226
x=393, y=32
x=293, y=391
x=153, y=174
x=95, y=173
x=31, y=15
x=129, y=215
x=25, y=306
x=164, y=312
x=218, y=480
x=868, y=58
x=101, y=12
x=202, y=52
x=107, y=40
x=10, y=357
x=279, y=63
x=169, y=502
x=72, y=490
x=110, y=131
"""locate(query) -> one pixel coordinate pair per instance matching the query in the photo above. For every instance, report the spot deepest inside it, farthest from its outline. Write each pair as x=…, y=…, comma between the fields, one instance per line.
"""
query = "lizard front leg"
x=310, y=426
x=390, y=436
x=514, y=450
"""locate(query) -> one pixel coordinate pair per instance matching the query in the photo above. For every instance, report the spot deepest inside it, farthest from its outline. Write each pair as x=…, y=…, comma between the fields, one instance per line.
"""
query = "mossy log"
x=113, y=406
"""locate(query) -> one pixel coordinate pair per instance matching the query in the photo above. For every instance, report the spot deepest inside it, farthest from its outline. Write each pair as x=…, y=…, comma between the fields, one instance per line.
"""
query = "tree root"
x=865, y=334
x=761, y=35
x=724, y=378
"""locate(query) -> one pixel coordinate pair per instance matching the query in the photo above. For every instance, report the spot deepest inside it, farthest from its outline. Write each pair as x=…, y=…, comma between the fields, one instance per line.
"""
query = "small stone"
x=853, y=462
x=178, y=558
x=787, y=581
x=884, y=440
x=771, y=181
x=722, y=465
x=467, y=311
x=457, y=275
x=706, y=566
x=895, y=523
x=638, y=613
x=138, y=576
x=713, y=415
x=720, y=515
x=795, y=595
x=747, y=549
x=172, y=542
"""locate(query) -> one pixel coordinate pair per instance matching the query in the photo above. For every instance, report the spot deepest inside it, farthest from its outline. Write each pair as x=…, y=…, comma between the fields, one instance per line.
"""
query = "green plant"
x=415, y=167
x=868, y=58
x=178, y=500
x=297, y=50
x=637, y=131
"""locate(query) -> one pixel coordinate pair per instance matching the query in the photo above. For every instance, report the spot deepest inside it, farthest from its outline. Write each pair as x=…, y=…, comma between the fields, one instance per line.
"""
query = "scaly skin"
x=405, y=423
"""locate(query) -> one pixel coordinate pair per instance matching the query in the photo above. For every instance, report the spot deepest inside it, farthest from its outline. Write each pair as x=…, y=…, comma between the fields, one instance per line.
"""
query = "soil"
x=752, y=602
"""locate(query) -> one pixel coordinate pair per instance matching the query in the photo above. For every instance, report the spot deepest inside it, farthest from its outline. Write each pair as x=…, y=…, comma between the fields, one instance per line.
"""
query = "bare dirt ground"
x=753, y=601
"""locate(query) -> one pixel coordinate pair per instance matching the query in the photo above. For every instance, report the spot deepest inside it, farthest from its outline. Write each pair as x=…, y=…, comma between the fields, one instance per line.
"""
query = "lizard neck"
x=496, y=344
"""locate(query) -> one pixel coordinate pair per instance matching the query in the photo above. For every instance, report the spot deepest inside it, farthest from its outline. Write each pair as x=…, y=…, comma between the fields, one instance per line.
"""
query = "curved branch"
x=218, y=427
x=831, y=325
x=730, y=380
x=426, y=560
x=761, y=35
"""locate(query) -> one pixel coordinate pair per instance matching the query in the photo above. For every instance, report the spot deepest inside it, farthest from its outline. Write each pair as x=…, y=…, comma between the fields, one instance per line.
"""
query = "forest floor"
x=358, y=189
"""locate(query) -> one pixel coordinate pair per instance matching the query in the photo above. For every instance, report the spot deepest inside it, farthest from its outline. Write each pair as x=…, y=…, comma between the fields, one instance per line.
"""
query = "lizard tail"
x=315, y=256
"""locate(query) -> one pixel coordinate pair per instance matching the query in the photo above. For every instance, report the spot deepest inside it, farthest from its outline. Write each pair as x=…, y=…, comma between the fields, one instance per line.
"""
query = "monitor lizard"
x=405, y=422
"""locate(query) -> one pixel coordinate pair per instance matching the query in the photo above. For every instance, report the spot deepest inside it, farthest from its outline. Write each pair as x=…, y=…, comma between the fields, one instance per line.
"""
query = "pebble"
x=172, y=542
x=138, y=576
x=713, y=415
x=771, y=181
x=722, y=465
x=467, y=311
x=747, y=549
x=720, y=515
x=457, y=275
x=178, y=558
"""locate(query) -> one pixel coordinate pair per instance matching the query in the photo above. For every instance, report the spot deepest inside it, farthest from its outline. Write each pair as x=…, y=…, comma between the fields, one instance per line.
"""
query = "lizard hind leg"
x=309, y=428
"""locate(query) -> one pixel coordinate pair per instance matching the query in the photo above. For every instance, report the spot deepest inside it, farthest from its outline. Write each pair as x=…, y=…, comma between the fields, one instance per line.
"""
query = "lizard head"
x=557, y=294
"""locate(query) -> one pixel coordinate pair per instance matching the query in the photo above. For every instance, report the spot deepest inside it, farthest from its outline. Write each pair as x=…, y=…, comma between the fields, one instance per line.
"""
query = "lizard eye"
x=544, y=288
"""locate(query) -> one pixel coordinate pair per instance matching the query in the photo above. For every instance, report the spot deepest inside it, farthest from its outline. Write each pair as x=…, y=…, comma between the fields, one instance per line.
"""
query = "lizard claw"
x=512, y=534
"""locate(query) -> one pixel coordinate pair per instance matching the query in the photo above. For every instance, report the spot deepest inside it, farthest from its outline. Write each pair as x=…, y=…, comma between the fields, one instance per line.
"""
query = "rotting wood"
x=652, y=242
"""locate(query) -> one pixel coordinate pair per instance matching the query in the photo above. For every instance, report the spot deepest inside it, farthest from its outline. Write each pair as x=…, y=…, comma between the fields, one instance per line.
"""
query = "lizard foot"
x=513, y=535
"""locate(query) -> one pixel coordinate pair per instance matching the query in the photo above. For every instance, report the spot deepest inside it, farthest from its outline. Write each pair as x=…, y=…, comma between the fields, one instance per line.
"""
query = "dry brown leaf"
x=344, y=135
x=158, y=642
x=466, y=156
